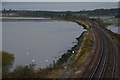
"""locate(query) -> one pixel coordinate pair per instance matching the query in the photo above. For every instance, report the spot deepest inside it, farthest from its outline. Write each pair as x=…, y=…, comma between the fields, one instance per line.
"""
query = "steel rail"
x=100, y=57
x=86, y=68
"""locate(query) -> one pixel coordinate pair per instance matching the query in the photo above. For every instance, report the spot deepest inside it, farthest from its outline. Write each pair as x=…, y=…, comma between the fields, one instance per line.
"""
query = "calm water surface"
x=36, y=42
x=114, y=29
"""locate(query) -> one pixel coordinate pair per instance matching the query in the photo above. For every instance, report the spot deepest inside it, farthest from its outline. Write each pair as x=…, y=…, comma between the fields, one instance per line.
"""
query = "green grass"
x=75, y=64
x=114, y=36
x=81, y=60
x=112, y=21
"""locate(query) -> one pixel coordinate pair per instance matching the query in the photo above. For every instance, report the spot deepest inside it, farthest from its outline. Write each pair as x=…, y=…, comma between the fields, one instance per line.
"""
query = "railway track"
x=100, y=58
x=108, y=69
x=83, y=75
x=106, y=63
x=111, y=60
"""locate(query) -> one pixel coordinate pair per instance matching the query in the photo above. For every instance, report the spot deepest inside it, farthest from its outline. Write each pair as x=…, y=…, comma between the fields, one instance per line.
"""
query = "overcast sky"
x=59, y=0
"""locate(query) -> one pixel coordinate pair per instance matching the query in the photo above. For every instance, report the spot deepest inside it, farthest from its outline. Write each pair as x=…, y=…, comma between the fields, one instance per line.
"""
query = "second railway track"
x=105, y=64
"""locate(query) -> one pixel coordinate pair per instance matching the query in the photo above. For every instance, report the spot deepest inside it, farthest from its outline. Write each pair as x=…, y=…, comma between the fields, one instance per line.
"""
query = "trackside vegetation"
x=56, y=70
x=69, y=62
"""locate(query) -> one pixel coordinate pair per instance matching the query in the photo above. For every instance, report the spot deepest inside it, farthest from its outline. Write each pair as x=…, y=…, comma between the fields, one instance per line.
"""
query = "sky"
x=59, y=0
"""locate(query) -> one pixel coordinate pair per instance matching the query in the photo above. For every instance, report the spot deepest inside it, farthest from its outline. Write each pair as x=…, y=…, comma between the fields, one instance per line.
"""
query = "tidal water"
x=114, y=29
x=36, y=42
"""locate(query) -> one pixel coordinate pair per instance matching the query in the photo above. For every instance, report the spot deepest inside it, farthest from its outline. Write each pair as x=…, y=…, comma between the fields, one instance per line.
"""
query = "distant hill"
x=113, y=11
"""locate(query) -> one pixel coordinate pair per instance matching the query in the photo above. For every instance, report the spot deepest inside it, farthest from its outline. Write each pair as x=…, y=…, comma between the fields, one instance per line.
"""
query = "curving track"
x=103, y=62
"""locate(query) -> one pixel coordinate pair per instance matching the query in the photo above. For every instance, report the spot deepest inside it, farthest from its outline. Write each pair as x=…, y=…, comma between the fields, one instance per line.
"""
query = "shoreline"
x=67, y=50
x=76, y=47
x=113, y=28
x=60, y=67
x=59, y=63
x=64, y=64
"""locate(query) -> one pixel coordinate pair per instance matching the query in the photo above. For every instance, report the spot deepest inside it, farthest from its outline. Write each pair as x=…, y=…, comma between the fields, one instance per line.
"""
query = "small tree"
x=7, y=62
x=24, y=71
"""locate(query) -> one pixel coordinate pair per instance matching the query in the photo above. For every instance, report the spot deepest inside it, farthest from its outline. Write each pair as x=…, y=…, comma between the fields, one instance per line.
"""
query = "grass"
x=60, y=71
x=84, y=43
x=112, y=21
x=81, y=60
x=50, y=72
x=85, y=53
x=114, y=36
x=75, y=64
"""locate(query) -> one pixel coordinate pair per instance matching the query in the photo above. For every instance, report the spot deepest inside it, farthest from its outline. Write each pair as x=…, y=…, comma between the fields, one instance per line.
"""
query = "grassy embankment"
x=114, y=36
x=112, y=21
x=115, y=22
x=82, y=52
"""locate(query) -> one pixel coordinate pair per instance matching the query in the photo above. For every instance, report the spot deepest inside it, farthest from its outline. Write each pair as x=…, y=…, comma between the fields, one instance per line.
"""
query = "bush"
x=7, y=62
x=24, y=71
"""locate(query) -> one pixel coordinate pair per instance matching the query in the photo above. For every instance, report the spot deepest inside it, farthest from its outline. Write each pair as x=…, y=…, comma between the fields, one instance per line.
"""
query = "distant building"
x=9, y=14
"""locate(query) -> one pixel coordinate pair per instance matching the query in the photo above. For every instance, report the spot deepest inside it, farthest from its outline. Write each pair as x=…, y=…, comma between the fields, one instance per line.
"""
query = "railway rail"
x=105, y=64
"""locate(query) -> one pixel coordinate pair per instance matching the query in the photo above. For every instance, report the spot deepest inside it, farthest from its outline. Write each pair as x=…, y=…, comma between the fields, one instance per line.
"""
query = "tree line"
x=39, y=13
